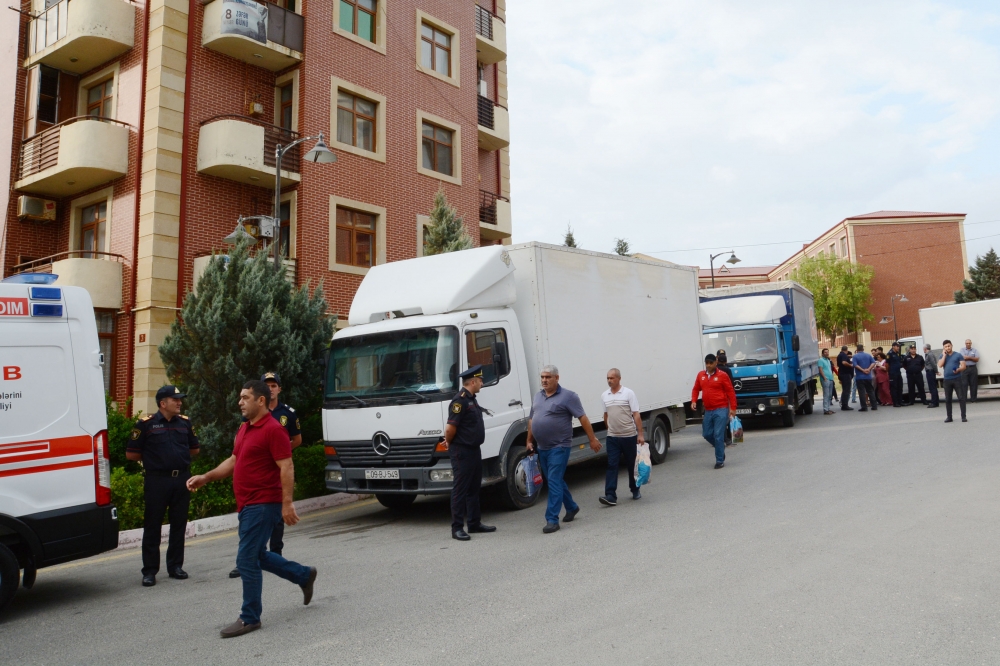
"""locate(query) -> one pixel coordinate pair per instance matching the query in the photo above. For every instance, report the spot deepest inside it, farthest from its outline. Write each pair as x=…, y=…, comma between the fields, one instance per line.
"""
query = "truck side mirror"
x=795, y=343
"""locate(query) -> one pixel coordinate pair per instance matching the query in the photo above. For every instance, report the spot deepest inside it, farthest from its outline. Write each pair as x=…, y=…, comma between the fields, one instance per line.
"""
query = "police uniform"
x=165, y=445
x=289, y=420
x=466, y=457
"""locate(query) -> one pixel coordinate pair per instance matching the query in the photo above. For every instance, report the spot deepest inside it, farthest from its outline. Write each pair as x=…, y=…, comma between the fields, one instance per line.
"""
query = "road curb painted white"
x=195, y=528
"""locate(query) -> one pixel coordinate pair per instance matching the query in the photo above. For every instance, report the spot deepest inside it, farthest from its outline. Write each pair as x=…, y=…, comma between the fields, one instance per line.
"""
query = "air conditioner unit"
x=33, y=208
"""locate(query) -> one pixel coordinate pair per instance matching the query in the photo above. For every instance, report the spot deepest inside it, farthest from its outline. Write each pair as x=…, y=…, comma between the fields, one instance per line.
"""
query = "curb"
x=133, y=538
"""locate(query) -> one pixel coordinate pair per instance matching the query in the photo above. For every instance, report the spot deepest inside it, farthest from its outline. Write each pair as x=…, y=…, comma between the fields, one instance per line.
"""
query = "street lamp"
x=892, y=318
x=711, y=265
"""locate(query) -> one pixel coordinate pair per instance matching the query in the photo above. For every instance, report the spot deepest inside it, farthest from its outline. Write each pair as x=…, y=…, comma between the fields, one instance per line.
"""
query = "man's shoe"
x=550, y=528
x=238, y=628
x=948, y=420
x=607, y=501
x=178, y=573
x=874, y=409
x=570, y=515
x=847, y=409
x=307, y=589
x=964, y=420
x=637, y=495
x=483, y=529
x=148, y=580
x=720, y=465
x=235, y=573
x=863, y=409
x=460, y=535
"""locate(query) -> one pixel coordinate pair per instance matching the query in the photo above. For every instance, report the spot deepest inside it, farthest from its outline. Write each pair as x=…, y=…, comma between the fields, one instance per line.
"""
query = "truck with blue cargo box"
x=768, y=332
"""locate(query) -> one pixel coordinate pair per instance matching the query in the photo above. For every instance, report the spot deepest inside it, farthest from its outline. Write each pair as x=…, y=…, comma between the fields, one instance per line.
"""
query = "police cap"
x=474, y=371
x=271, y=377
x=169, y=391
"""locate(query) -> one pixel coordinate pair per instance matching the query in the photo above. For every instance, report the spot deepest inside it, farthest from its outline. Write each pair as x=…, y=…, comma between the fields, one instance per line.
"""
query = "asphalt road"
x=849, y=539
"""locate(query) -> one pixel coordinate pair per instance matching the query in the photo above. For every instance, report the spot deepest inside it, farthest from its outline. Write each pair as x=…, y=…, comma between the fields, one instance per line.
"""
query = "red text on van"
x=13, y=307
x=11, y=372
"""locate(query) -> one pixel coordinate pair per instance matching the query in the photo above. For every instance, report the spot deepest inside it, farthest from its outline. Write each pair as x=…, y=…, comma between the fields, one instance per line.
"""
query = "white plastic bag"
x=643, y=465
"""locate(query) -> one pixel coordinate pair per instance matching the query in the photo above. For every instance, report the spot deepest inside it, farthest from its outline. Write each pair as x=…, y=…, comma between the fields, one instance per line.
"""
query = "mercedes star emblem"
x=381, y=444
x=737, y=385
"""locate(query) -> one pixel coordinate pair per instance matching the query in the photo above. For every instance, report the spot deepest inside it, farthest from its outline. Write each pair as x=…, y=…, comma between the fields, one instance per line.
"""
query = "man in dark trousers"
x=289, y=420
x=464, y=434
x=952, y=365
x=913, y=363
x=263, y=482
x=845, y=371
x=864, y=364
x=931, y=370
x=164, y=443
x=894, y=361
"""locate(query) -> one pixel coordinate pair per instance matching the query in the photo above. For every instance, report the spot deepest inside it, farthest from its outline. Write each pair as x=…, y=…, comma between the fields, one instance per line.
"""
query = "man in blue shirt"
x=953, y=365
x=550, y=425
x=863, y=365
x=826, y=377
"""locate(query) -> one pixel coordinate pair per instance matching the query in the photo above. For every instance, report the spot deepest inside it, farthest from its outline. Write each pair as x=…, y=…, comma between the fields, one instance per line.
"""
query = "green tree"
x=985, y=282
x=569, y=240
x=245, y=319
x=622, y=247
x=446, y=232
x=841, y=291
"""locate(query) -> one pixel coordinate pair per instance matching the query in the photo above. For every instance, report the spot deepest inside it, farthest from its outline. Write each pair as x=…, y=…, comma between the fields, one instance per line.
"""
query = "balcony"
x=491, y=37
x=494, y=125
x=275, y=44
x=242, y=149
x=494, y=216
x=73, y=156
x=100, y=273
x=78, y=40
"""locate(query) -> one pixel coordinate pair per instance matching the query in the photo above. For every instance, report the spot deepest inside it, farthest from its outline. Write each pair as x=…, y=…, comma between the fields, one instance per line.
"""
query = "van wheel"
x=395, y=502
x=788, y=418
x=10, y=574
x=513, y=491
x=659, y=442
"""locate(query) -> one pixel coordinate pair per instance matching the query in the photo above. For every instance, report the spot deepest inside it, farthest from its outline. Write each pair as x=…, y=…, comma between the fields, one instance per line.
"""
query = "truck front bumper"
x=434, y=480
x=761, y=405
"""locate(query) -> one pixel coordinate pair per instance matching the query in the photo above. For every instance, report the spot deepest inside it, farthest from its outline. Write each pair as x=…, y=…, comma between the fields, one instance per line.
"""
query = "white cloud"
x=691, y=124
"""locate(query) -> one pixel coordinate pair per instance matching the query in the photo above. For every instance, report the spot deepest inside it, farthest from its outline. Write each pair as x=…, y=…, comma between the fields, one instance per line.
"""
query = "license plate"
x=376, y=474
x=743, y=411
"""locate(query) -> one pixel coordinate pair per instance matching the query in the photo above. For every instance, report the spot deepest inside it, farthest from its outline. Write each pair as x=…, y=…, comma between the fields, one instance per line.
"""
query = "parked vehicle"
x=978, y=321
x=770, y=337
x=415, y=324
x=55, y=472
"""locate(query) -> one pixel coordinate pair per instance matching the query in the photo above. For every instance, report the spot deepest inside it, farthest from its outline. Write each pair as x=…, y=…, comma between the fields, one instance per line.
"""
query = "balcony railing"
x=275, y=43
x=484, y=22
x=488, y=206
x=48, y=27
x=41, y=151
x=44, y=265
x=273, y=135
x=79, y=38
x=285, y=27
x=485, y=110
x=491, y=37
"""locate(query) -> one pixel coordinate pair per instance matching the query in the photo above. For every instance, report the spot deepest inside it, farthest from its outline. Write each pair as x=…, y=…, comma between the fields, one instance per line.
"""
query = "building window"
x=435, y=50
x=355, y=121
x=93, y=226
x=437, y=143
x=106, y=341
x=100, y=99
x=355, y=238
x=285, y=110
x=358, y=18
x=843, y=247
x=285, y=233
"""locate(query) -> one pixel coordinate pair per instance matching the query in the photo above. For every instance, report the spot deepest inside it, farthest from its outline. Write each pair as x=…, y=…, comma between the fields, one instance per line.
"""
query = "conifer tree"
x=622, y=247
x=985, y=282
x=446, y=232
x=244, y=320
x=569, y=240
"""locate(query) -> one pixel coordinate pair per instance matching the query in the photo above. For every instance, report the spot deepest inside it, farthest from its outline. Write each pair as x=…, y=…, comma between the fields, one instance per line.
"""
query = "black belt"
x=166, y=472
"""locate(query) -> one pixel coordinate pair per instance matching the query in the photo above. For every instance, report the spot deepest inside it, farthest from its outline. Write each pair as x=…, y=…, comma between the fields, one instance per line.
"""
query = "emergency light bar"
x=46, y=310
x=46, y=293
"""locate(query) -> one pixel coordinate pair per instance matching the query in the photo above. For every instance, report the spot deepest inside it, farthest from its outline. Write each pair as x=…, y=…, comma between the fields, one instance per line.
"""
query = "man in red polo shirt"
x=263, y=479
x=719, y=401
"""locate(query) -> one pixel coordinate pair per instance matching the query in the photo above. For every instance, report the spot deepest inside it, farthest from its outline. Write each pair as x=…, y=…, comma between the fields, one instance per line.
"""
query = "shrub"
x=126, y=493
x=310, y=474
x=120, y=426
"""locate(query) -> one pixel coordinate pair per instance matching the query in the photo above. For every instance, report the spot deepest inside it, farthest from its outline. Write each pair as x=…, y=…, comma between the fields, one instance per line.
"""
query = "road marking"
x=205, y=539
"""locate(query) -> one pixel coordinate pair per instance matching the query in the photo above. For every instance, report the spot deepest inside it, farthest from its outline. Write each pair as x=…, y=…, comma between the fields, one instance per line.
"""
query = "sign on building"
x=246, y=18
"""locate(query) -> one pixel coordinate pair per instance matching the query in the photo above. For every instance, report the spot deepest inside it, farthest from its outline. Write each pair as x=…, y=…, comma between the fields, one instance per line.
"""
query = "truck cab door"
x=501, y=401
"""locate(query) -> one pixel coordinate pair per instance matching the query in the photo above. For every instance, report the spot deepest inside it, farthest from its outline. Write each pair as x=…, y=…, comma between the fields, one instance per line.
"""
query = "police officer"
x=289, y=420
x=164, y=443
x=463, y=435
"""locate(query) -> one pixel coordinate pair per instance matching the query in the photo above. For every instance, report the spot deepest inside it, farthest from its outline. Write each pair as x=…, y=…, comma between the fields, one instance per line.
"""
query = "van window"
x=35, y=389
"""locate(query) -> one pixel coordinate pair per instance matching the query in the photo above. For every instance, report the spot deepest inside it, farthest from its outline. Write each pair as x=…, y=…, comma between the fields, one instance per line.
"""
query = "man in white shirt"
x=621, y=415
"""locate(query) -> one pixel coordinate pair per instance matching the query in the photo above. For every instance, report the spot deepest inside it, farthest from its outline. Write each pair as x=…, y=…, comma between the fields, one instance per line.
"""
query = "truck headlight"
x=441, y=475
x=335, y=475
x=777, y=402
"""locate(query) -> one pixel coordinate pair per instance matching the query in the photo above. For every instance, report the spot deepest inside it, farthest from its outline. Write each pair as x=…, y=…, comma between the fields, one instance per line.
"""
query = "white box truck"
x=978, y=321
x=415, y=324
x=55, y=474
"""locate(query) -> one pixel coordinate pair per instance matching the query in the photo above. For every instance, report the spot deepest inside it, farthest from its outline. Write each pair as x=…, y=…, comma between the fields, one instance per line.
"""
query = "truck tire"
x=659, y=441
x=513, y=491
x=10, y=575
x=788, y=418
x=395, y=502
x=807, y=406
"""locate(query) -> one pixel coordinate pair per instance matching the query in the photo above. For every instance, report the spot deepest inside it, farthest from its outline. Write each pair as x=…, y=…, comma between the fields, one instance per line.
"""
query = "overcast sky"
x=680, y=125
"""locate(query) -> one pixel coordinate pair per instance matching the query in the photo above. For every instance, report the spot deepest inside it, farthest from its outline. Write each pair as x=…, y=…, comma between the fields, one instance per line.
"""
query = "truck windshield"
x=419, y=364
x=749, y=347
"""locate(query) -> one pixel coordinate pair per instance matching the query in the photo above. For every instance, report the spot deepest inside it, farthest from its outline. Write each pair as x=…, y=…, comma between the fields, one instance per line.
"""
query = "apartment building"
x=143, y=131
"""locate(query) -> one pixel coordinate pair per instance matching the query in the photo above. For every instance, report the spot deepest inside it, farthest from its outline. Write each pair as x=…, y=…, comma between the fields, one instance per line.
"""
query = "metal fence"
x=488, y=206
x=41, y=151
x=484, y=22
x=485, y=111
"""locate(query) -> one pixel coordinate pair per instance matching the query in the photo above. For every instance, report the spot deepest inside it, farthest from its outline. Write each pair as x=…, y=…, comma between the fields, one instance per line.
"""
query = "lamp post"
x=711, y=265
x=892, y=318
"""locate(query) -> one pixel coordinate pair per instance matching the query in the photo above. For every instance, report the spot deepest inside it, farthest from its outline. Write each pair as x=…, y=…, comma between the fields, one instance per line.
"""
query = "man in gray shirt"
x=931, y=371
x=550, y=425
x=971, y=374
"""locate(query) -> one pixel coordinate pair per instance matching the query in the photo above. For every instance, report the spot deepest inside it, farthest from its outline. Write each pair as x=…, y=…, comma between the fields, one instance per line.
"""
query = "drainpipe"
x=182, y=222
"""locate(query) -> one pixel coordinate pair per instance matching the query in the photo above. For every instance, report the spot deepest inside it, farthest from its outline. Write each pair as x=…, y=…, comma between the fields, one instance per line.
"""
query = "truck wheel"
x=788, y=418
x=659, y=442
x=513, y=491
x=10, y=574
x=807, y=406
x=395, y=502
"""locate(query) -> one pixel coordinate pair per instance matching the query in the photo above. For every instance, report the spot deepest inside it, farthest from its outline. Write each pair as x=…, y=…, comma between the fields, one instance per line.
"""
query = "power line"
x=923, y=247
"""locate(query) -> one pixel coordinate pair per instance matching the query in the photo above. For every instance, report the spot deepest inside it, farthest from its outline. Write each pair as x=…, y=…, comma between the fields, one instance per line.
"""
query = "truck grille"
x=402, y=453
x=744, y=385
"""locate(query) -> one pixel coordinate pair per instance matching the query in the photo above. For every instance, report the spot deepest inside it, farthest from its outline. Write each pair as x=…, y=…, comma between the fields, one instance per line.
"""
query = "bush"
x=310, y=471
x=126, y=493
x=120, y=426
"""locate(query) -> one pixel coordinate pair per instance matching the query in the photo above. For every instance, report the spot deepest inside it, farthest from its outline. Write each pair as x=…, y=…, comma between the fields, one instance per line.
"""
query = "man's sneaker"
x=720, y=465
x=570, y=515
x=636, y=495
x=550, y=528
x=607, y=501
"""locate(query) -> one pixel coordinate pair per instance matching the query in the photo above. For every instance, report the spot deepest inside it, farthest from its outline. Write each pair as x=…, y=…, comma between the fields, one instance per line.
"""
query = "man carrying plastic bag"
x=621, y=415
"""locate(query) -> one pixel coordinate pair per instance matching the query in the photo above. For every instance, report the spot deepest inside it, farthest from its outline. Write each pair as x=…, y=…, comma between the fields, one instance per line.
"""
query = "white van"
x=55, y=472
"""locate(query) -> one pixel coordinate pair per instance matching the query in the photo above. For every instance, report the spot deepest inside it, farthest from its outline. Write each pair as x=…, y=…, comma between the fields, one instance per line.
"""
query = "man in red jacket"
x=719, y=401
